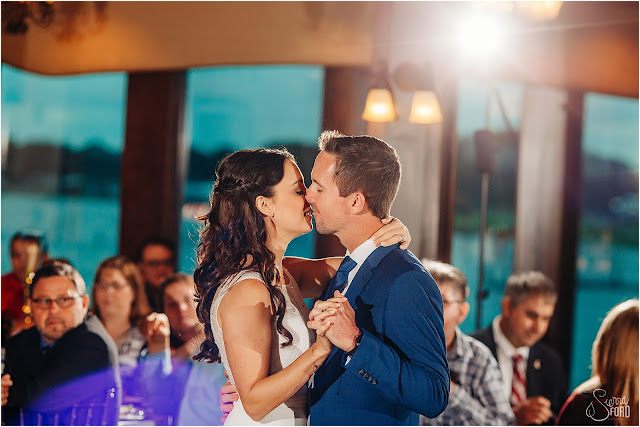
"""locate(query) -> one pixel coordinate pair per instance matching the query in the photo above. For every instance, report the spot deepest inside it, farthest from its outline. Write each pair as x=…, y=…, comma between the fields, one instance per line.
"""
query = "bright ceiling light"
x=540, y=10
x=480, y=37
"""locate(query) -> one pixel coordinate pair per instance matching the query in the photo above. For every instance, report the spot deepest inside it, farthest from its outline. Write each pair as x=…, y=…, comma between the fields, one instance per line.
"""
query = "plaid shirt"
x=478, y=397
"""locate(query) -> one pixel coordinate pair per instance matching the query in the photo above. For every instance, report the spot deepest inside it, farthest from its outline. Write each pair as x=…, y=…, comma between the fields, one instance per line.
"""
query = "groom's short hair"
x=366, y=164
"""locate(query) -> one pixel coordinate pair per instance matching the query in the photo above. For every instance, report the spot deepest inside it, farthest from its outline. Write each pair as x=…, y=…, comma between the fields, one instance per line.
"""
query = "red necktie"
x=519, y=382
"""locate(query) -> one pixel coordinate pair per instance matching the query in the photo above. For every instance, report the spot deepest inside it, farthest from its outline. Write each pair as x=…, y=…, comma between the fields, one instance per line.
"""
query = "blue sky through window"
x=74, y=110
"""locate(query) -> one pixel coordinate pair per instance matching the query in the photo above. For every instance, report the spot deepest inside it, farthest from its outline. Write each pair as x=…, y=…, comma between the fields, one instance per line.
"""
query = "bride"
x=250, y=297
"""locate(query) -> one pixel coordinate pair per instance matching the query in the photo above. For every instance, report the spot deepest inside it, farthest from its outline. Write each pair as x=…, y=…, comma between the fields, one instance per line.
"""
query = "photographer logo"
x=608, y=407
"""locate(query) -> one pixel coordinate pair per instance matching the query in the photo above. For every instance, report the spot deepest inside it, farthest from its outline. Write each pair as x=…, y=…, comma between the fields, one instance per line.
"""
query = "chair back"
x=83, y=414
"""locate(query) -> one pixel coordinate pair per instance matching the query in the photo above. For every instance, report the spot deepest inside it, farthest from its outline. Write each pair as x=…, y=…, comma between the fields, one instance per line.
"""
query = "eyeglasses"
x=116, y=286
x=159, y=262
x=175, y=305
x=63, y=302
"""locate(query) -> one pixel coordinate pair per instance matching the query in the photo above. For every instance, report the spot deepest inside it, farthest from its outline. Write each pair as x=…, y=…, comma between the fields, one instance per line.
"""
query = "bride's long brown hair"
x=233, y=236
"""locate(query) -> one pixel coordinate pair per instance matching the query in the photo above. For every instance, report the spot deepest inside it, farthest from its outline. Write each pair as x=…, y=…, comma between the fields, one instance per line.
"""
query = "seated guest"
x=532, y=373
x=67, y=363
x=28, y=251
x=156, y=259
x=119, y=301
x=199, y=403
x=614, y=360
x=477, y=395
x=178, y=302
x=183, y=391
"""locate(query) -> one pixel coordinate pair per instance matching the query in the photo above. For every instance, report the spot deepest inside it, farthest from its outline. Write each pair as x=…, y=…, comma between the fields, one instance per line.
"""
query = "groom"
x=389, y=364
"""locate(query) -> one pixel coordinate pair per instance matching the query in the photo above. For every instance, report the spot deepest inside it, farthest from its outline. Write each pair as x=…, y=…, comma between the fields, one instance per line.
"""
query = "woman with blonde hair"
x=610, y=396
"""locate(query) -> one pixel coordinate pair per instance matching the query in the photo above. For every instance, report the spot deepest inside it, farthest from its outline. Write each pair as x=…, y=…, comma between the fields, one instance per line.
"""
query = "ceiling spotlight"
x=480, y=36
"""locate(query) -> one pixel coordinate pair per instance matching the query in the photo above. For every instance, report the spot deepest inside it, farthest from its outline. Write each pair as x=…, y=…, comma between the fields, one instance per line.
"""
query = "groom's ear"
x=358, y=202
x=264, y=206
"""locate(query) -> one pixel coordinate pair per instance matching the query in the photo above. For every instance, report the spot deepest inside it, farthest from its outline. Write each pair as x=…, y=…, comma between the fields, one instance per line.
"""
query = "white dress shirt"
x=359, y=255
x=506, y=351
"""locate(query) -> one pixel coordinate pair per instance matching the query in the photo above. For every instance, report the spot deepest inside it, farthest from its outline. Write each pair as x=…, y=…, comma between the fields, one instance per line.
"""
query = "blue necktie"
x=340, y=280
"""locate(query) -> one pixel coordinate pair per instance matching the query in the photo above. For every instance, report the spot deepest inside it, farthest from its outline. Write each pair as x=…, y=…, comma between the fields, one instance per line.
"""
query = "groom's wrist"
x=356, y=343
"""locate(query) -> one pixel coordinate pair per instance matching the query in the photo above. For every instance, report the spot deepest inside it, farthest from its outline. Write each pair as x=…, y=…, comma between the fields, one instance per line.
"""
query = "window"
x=607, y=260
x=473, y=100
x=231, y=108
x=62, y=138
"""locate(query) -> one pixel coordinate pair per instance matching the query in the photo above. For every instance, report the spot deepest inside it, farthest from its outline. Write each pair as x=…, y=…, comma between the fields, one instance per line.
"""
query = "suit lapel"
x=325, y=294
x=365, y=272
x=492, y=344
x=534, y=366
x=355, y=288
x=358, y=283
x=362, y=277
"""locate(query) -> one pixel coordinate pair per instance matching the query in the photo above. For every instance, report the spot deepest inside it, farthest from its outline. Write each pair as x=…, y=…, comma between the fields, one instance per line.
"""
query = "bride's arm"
x=245, y=315
x=313, y=275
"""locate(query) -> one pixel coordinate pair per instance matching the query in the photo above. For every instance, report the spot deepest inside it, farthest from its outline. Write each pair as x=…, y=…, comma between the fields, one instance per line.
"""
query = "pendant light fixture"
x=425, y=107
x=379, y=106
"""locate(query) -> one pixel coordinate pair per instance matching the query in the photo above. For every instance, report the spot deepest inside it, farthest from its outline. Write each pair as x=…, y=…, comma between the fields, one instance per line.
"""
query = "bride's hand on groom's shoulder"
x=392, y=231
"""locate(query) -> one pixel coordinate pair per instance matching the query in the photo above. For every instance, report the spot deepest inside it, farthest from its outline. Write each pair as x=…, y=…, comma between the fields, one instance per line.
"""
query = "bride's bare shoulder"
x=247, y=292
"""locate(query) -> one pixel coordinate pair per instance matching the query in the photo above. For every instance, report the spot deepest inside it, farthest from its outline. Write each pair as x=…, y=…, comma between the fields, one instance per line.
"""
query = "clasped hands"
x=335, y=320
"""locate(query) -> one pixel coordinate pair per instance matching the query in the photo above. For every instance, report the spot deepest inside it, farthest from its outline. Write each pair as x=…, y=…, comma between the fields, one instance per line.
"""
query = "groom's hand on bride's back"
x=228, y=395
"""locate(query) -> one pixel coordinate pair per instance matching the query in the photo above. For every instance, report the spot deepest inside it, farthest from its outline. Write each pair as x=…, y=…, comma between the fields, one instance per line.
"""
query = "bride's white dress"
x=295, y=410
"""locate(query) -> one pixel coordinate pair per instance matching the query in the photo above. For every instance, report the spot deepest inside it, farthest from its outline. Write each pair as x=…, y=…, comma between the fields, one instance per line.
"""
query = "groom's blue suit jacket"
x=400, y=368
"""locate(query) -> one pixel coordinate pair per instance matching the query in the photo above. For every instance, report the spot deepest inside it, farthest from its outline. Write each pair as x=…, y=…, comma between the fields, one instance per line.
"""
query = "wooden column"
x=345, y=90
x=448, y=168
x=561, y=327
x=154, y=159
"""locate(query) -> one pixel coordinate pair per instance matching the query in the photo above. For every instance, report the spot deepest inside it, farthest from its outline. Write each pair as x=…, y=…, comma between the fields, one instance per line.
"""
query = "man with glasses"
x=157, y=260
x=65, y=370
x=476, y=394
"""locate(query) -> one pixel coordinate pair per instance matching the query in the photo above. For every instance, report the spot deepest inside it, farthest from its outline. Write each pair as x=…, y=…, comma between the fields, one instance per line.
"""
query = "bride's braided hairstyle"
x=233, y=236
